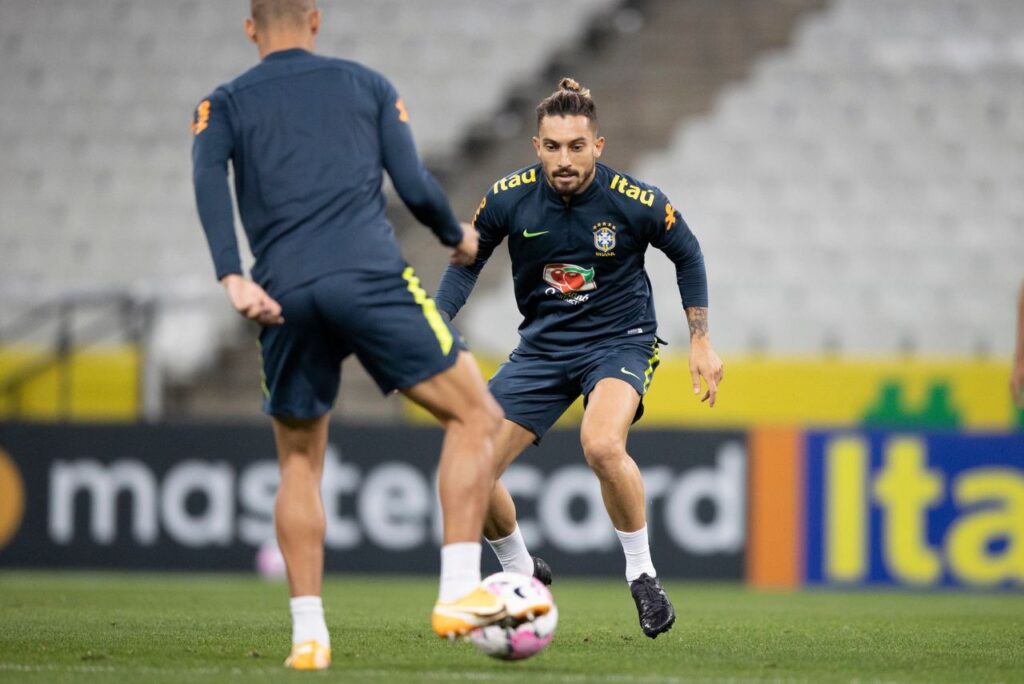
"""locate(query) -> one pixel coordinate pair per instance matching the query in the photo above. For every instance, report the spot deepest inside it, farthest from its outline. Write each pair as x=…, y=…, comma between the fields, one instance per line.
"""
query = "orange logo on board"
x=403, y=115
x=12, y=499
x=202, y=118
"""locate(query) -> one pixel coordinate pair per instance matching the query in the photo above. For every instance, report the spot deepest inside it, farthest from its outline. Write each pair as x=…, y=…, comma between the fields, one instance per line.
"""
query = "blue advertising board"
x=912, y=509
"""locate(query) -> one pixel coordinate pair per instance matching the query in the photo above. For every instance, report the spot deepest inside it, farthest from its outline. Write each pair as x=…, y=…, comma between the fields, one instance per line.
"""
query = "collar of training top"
x=285, y=54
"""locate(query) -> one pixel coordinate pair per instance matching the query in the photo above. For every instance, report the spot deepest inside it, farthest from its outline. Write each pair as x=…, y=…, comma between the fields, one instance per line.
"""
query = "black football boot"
x=652, y=604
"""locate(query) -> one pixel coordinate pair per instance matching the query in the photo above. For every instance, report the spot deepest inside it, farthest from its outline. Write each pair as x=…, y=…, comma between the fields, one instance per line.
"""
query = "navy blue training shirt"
x=578, y=267
x=308, y=138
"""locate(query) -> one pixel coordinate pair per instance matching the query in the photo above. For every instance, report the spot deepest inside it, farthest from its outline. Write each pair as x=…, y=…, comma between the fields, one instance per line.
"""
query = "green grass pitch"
x=78, y=627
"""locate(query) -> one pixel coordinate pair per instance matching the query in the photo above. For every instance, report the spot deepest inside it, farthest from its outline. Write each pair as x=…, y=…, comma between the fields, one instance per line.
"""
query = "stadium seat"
x=94, y=124
x=868, y=177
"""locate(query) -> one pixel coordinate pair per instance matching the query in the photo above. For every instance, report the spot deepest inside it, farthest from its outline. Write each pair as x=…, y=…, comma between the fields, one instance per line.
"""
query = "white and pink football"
x=517, y=641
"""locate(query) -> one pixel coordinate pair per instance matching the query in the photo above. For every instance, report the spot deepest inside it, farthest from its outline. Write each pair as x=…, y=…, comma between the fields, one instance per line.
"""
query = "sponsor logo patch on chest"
x=569, y=281
x=604, y=238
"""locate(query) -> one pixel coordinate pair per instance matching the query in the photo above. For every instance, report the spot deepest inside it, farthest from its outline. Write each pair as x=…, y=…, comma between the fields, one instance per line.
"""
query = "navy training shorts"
x=536, y=388
x=385, y=319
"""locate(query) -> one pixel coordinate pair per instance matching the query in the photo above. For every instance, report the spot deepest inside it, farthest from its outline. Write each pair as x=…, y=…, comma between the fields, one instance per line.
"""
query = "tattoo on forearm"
x=697, y=316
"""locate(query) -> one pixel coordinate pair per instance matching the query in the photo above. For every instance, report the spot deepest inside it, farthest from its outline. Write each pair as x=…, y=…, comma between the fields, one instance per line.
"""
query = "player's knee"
x=494, y=413
x=487, y=421
x=484, y=413
x=603, y=452
x=480, y=417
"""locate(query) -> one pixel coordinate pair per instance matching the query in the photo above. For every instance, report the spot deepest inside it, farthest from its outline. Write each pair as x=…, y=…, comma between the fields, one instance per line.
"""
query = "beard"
x=569, y=182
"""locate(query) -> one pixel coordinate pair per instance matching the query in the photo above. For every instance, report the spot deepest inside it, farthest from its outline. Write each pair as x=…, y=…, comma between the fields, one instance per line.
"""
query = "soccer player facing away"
x=577, y=232
x=309, y=138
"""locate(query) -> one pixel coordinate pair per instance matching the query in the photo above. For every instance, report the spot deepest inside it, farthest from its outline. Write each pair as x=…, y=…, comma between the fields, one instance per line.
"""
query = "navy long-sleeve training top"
x=309, y=138
x=578, y=267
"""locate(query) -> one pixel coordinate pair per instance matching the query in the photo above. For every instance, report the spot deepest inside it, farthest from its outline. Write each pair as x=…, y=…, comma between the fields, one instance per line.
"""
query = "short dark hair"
x=571, y=99
x=269, y=12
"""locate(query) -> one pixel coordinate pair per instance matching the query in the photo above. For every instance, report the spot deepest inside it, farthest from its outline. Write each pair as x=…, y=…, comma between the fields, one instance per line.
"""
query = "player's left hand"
x=704, y=363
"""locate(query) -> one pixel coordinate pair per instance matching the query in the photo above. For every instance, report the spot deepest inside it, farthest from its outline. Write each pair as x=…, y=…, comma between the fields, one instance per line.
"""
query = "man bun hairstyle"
x=571, y=99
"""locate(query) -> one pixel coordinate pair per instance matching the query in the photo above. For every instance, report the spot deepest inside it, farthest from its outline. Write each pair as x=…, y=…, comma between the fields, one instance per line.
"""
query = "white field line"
x=533, y=675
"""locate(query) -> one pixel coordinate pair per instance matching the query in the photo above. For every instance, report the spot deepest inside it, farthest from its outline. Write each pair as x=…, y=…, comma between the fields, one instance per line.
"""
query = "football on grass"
x=517, y=641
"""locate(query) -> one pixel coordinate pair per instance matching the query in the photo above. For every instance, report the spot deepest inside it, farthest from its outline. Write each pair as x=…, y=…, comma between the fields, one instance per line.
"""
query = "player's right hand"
x=464, y=253
x=705, y=363
x=251, y=300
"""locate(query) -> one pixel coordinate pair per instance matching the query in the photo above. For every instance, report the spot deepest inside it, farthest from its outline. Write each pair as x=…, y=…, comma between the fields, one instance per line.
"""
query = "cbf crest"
x=604, y=238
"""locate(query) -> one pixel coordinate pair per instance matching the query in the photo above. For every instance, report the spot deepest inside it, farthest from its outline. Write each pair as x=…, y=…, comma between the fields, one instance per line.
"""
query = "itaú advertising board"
x=202, y=497
x=918, y=510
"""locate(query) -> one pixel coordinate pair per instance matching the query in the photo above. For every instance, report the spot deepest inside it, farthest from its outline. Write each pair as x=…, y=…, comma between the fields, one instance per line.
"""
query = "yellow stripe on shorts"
x=444, y=335
x=263, y=373
x=652, y=363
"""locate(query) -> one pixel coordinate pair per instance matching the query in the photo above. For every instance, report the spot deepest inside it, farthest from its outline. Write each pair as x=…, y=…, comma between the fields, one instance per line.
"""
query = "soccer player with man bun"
x=577, y=232
x=309, y=139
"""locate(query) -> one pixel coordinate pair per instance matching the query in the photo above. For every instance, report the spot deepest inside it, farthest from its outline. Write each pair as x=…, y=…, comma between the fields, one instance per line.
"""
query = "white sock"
x=638, y=553
x=308, y=621
x=511, y=552
x=460, y=570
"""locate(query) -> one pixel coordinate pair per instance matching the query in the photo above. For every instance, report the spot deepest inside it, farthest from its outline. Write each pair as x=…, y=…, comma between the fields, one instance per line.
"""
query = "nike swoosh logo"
x=629, y=372
x=528, y=234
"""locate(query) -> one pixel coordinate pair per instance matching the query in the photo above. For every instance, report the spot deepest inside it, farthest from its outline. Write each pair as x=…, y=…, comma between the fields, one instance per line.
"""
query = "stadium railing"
x=80, y=355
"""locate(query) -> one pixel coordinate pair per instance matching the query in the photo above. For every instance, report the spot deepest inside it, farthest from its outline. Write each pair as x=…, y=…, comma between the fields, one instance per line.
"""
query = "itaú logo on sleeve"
x=567, y=281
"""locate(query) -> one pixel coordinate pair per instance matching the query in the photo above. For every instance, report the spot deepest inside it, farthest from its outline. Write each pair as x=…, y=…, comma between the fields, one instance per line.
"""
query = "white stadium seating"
x=94, y=125
x=862, y=192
